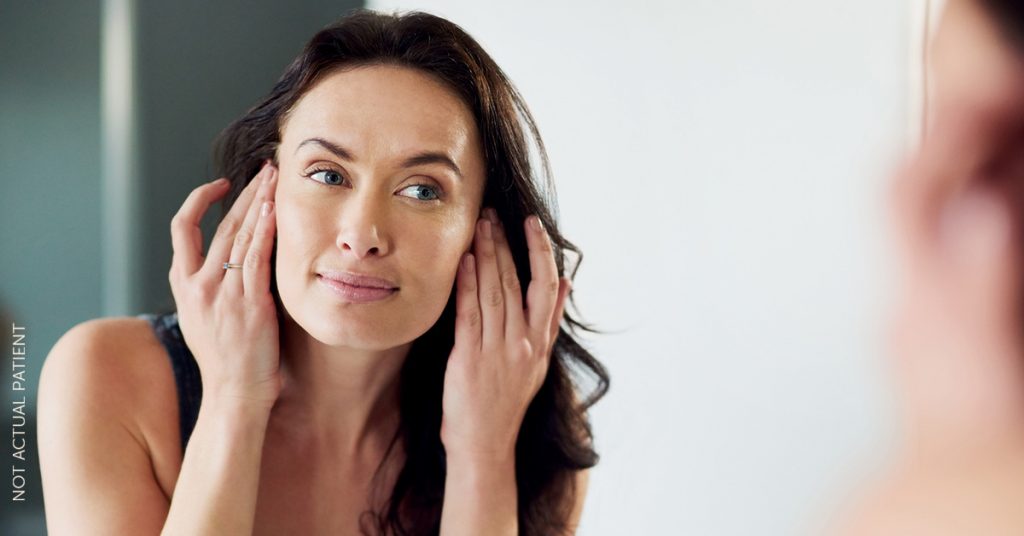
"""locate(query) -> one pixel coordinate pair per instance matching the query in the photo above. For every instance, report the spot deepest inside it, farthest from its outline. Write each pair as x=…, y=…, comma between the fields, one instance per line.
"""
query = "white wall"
x=721, y=165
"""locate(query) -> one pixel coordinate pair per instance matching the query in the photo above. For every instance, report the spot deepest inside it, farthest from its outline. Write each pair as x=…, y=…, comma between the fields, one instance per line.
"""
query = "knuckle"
x=473, y=318
x=493, y=297
x=203, y=290
x=178, y=224
x=253, y=258
x=510, y=280
x=172, y=275
x=227, y=226
x=522, y=349
x=545, y=246
x=243, y=237
x=552, y=286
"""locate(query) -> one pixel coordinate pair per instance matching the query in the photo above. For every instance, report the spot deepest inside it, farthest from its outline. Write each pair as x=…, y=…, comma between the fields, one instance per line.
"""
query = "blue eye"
x=331, y=177
x=430, y=190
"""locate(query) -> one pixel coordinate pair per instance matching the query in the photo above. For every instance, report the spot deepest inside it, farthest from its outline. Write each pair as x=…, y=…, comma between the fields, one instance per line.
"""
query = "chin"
x=349, y=327
x=367, y=326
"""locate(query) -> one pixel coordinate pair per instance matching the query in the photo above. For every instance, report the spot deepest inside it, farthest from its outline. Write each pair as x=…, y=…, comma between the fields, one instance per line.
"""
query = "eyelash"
x=438, y=193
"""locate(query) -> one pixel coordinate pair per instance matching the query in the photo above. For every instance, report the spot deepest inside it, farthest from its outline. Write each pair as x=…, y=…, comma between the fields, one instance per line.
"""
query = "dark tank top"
x=186, y=370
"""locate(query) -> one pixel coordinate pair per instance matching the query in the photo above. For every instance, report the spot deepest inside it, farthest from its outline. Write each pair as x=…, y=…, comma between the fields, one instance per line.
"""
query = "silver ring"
x=228, y=265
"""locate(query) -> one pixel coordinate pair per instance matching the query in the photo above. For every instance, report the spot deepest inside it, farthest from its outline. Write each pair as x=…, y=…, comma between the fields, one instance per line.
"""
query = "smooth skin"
x=128, y=481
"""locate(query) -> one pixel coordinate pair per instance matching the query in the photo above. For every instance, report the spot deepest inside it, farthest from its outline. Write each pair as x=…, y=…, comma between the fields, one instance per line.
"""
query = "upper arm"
x=96, y=470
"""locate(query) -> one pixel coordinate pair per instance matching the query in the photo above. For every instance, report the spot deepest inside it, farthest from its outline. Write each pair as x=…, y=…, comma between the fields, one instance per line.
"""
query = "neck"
x=341, y=399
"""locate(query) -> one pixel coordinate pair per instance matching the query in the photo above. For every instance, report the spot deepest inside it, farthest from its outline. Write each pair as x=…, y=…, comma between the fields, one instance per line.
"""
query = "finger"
x=186, y=236
x=220, y=246
x=542, y=294
x=467, y=306
x=256, y=275
x=492, y=301
x=244, y=237
x=564, y=288
x=515, y=323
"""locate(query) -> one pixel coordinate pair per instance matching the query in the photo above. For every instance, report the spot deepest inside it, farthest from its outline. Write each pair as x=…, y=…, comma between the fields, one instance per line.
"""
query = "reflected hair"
x=555, y=439
x=1009, y=15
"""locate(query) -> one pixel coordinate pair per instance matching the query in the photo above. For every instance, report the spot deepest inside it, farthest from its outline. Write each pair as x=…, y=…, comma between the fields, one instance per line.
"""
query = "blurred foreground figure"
x=957, y=331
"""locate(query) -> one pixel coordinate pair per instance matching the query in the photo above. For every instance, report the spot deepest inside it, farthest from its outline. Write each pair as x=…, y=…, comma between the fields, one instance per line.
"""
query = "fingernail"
x=220, y=182
x=265, y=209
x=487, y=229
x=535, y=222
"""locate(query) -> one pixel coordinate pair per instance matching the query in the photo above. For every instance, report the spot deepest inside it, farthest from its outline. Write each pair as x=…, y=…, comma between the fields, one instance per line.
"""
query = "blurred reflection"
x=955, y=331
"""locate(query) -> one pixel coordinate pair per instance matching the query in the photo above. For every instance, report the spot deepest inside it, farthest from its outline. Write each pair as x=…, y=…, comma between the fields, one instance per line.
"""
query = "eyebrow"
x=421, y=158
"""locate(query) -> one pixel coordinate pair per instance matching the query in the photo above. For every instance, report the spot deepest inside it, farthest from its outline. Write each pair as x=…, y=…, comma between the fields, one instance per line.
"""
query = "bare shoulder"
x=113, y=360
x=109, y=382
x=118, y=362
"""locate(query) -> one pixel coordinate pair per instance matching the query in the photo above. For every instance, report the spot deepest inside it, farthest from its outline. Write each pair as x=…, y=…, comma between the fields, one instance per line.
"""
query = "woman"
x=370, y=362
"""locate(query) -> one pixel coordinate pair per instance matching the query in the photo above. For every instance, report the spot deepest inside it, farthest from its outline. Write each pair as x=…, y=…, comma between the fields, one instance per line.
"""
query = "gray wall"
x=49, y=198
x=198, y=65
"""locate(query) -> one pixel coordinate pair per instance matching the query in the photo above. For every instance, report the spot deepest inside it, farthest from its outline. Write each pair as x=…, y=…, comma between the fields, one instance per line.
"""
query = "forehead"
x=383, y=109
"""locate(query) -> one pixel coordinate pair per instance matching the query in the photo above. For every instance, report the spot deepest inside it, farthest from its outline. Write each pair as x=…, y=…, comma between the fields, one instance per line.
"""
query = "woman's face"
x=381, y=173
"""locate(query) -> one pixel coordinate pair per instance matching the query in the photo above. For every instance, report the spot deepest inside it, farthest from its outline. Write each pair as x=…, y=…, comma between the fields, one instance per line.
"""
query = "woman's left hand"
x=502, y=351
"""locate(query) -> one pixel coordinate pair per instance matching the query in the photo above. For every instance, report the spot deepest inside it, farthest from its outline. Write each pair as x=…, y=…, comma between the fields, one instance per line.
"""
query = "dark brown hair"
x=1009, y=15
x=555, y=440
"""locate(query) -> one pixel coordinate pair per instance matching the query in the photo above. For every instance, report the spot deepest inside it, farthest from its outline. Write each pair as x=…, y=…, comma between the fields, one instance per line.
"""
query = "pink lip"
x=356, y=294
x=358, y=280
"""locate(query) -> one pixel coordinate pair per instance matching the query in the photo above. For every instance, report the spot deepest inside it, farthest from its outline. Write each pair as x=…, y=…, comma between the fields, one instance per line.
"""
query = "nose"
x=360, y=229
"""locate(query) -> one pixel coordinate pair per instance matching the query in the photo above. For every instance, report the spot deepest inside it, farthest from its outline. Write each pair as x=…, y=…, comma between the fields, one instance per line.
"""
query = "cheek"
x=297, y=231
x=433, y=253
x=455, y=239
x=458, y=232
x=289, y=220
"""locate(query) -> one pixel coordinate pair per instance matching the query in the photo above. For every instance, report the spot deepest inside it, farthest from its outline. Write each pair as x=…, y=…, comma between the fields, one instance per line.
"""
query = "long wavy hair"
x=555, y=440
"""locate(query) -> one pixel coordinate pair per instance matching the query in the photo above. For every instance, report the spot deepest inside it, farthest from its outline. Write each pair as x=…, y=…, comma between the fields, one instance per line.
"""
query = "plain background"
x=720, y=163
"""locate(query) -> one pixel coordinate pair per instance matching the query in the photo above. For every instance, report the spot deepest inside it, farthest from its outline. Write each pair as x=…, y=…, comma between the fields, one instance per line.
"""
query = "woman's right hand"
x=228, y=317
